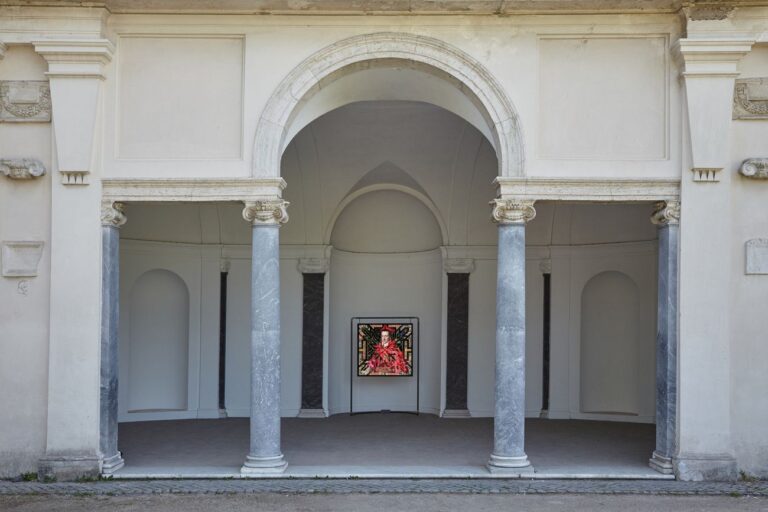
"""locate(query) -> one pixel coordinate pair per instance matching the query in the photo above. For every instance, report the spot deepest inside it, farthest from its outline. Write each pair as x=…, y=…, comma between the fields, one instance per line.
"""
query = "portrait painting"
x=385, y=349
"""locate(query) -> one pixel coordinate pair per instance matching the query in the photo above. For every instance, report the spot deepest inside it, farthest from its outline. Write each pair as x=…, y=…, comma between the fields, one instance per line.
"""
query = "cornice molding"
x=713, y=57
x=192, y=189
x=589, y=189
x=75, y=58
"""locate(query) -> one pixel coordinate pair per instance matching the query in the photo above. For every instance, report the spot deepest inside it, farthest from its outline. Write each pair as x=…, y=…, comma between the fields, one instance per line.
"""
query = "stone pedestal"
x=265, y=455
x=509, y=420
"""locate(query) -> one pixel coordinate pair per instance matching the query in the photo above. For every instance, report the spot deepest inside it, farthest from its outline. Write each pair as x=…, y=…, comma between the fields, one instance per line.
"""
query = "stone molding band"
x=665, y=213
x=266, y=212
x=512, y=211
x=113, y=214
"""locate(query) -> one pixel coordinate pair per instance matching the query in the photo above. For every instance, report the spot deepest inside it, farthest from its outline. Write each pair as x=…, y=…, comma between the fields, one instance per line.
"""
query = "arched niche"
x=466, y=88
x=158, y=359
x=386, y=220
x=609, y=348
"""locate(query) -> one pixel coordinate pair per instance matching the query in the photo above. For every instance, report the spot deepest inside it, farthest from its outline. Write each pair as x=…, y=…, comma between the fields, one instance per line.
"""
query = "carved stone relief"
x=20, y=259
x=25, y=101
x=21, y=168
x=757, y=256
x=756, y=168
x=750, y=98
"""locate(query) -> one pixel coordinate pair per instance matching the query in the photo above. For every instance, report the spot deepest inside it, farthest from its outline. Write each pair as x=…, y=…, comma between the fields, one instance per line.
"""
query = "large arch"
x=435, y=56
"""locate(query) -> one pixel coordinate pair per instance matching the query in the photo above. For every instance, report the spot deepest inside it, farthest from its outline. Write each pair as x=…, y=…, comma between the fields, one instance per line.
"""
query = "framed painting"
x=385, y=347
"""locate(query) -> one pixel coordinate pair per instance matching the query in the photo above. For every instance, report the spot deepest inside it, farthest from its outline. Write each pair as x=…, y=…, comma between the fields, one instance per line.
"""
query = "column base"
x=661, y=463
x=510, y=465
x=311, y=413
x=112, y=464
x=700, y=467
x=68, y=468
x=263, y=465
x=456, y=413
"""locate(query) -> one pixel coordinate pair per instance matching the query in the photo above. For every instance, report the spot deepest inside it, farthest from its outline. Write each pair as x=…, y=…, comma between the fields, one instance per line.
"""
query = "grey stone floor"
x=386, y=445
x=365, y=503
x=385, y=486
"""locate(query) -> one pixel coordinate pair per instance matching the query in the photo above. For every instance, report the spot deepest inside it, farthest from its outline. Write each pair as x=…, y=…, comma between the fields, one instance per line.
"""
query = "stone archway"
x=475, y=81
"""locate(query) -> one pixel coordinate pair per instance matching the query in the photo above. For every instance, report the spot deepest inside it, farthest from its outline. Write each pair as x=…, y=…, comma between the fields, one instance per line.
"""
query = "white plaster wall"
x=749, y=293
x=24, y=216
x=631, y=59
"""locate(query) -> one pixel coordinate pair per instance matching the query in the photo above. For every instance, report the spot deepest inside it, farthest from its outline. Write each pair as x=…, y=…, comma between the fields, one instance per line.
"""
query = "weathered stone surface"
x=21, y=168
x=312, y=342
x=509, y=418
x=666, y=345
x=750, y=98
x=265, y=454
x=756, y=168
x=25, y=101
x=757, y=256
x=457, y=342
x=110, y=307
x=698, y=468
x=21, y=259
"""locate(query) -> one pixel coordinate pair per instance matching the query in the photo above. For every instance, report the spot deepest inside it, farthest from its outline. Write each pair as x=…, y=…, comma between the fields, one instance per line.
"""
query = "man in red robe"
x=387, y=358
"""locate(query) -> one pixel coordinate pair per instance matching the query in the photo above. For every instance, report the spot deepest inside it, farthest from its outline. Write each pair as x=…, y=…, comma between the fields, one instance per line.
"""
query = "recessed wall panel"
x=180, y=98
x=603, y=98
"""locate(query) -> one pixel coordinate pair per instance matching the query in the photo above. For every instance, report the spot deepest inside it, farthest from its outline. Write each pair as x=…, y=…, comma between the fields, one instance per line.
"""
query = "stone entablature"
x=25, y=101
x=21, y=168
x=756, y=168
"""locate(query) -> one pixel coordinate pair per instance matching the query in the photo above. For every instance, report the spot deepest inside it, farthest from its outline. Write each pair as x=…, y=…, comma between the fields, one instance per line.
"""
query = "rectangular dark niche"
x=457, y=342
x=312, y=342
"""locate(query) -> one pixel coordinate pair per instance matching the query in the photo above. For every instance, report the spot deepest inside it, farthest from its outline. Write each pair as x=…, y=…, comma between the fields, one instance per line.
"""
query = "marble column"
x=112, y=218
x=666, y=216
x=509, y=419
x=266, y=217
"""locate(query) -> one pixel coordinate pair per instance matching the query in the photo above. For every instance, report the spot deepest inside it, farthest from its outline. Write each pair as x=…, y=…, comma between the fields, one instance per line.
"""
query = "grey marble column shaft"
x=666, y=347
x=112, y=218
x=509, y=419
x=265, y=454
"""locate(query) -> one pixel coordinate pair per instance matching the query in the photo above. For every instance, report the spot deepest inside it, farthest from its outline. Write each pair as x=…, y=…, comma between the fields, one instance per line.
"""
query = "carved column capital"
x=21, y=168
x=665, y=213
x=756, y=168
x=458, y=265
x=512, y=211
x=112, y=214
x=314, y=265
x=266, y=212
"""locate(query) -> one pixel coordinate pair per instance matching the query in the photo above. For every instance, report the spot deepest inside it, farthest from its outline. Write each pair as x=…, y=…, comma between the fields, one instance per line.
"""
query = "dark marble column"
x=509, y=419
x=112, y=217
x=457, y=337
x=313, y=319
x=667, y=217
x=265, y=455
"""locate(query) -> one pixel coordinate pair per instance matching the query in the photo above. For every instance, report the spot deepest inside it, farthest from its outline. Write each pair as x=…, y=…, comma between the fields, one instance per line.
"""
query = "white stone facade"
x=574, y=122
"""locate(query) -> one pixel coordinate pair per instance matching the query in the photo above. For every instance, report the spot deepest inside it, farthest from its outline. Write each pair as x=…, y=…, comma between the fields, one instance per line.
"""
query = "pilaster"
x=75, y=71
x=703, y=446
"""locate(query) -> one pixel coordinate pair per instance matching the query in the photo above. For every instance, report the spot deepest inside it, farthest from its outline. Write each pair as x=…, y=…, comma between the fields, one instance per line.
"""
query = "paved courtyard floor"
x=378, y=502
x=386, y=445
